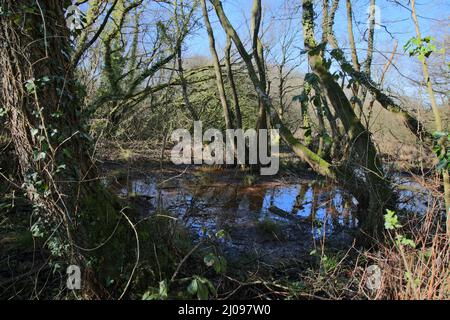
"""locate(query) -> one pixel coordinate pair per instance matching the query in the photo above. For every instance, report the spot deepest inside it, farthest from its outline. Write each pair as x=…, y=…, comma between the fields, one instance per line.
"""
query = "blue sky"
x=396, y=24
x=396, y=19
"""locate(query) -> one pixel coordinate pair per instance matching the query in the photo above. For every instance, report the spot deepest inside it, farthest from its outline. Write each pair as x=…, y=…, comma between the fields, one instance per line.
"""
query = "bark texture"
x=39, y=92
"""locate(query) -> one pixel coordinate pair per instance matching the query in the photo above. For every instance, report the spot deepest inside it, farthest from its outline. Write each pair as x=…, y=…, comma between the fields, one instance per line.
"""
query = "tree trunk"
x=369, y=58
x=363, y=149
x=60, y=178
x=234, y=92
x=357, y=66
x=374, y=198
x=437, y=117
x=184, y=90
x=416, y=127
x=258, y=55
x=219, y=79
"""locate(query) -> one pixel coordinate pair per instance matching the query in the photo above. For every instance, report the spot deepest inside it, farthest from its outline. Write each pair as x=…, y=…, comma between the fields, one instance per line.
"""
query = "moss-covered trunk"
x=258, y=57
x=40, y=94
x=362, y=151
x=373, y=199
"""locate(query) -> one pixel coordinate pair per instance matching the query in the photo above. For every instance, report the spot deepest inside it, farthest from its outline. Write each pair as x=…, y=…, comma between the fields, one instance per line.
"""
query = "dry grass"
x=419, y=274
x=422, y=272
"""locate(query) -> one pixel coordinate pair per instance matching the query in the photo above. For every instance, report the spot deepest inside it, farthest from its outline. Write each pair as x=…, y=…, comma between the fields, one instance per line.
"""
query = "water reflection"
x=275, y=219
x=216, y=203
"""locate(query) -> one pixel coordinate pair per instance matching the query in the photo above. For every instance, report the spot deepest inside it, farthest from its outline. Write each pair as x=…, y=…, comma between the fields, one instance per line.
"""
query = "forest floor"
x=269, y=229
x=291, y=235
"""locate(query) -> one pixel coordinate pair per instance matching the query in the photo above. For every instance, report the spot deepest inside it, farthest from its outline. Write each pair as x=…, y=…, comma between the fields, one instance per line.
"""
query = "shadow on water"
x=270, y=218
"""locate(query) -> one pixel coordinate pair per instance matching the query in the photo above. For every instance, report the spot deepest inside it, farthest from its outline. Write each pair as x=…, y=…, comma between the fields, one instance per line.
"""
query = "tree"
x=442, y=139
x=373, y=193
x=258, y=56
x=363, y=151
x=355, y=60
x=218, y=70
x=127, y=81
x=184, y=88
x=41, y=97
x=234, y=92
x=415, y=126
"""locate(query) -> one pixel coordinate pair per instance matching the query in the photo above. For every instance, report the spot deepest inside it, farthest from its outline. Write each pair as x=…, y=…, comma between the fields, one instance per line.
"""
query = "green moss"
x=20, y=241
x=102, y=217
x=270, y=229
x=250, y=179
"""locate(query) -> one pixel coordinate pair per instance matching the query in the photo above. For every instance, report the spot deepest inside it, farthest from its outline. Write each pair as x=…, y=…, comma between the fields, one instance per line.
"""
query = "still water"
x=277, y=218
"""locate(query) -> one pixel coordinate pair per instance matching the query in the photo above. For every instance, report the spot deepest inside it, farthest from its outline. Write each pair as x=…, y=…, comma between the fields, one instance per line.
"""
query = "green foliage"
x=442, y=150
x=337, y=54
x=201, y=287
x=402, y=240
x=391, y=223
x=219, y=263
x=270, y=228
x=157, y=294
x=30, y=86
x=37, y=156
x=422, y=48
x=57, y=246
x=76, y=20
x=312, y=79
x=391, y=220
x=312, y=94
x=328, y=262
x=303, y=97
x=220, y=234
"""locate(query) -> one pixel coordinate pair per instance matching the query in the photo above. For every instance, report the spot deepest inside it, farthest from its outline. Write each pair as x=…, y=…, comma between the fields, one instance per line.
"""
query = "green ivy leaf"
x=210, y=259
x=30, y=86
x=39, y=155
x=34, y=131
x=220, y=234
x=193, y=287
x=163, y=289
x=202, y=292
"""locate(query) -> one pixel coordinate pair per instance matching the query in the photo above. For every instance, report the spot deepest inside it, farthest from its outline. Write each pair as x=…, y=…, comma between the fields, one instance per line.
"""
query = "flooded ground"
x=272, y=219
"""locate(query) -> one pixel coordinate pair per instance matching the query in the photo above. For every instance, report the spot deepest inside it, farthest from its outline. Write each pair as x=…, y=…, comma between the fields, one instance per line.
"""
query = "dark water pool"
x=275, y=218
